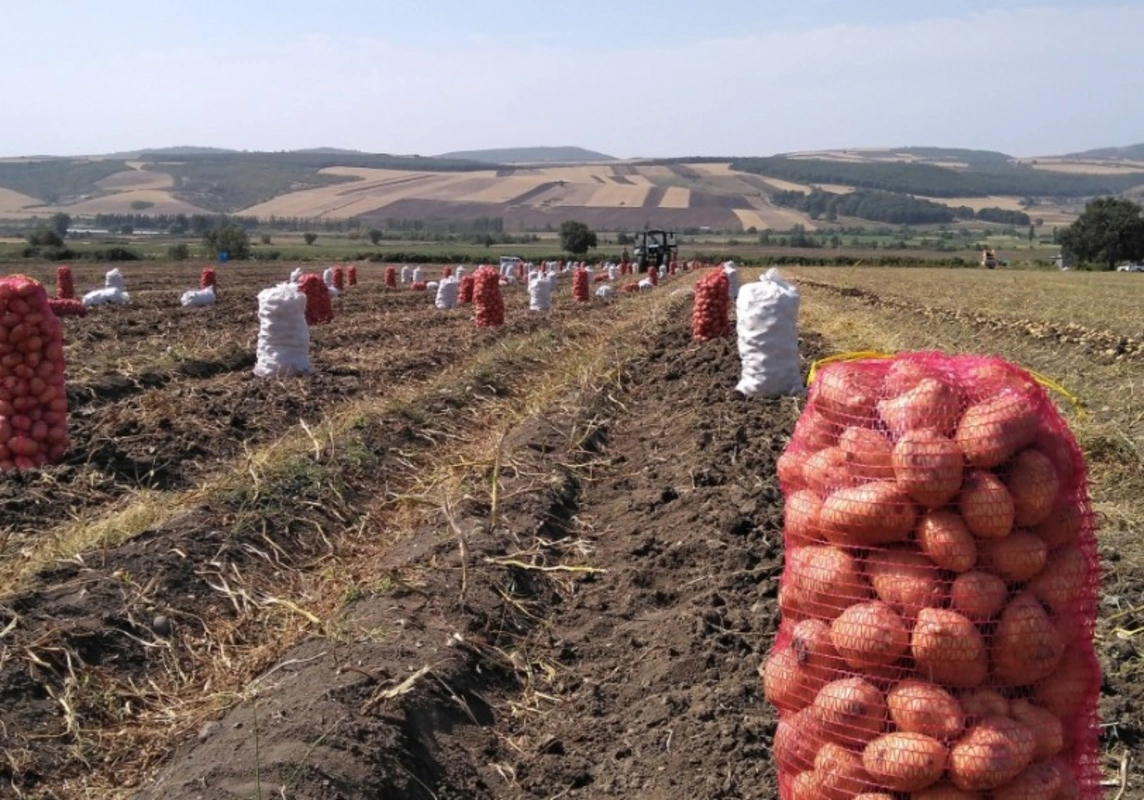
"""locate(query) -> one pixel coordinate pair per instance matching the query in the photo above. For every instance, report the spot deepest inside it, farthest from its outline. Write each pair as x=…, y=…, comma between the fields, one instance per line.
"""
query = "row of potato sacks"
x=938, y=596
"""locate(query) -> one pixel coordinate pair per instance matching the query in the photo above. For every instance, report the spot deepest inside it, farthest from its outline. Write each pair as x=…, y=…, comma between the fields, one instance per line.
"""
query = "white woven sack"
x=196, y=298
x=448, y=291
x=767, y=326
x=283, y=335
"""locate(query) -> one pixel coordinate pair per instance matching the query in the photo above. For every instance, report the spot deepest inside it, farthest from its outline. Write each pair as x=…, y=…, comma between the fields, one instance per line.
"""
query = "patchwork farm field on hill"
x=526, y=562
x=724, y=195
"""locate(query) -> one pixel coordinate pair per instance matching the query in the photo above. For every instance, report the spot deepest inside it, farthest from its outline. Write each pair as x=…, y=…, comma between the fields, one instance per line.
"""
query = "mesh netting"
x=939, y=591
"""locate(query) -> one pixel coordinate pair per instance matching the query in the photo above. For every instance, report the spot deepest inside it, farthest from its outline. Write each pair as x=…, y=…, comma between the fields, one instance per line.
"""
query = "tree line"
x=891, y=207
x=979, y=180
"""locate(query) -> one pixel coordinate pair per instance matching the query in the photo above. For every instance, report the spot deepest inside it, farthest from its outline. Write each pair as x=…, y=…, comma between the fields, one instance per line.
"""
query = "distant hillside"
x=180, y=150
x=529, y=155
x=1133, y=152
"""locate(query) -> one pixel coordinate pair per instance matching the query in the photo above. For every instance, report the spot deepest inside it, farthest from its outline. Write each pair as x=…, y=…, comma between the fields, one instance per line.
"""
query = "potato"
x=981, y=703
x=1026, y=644
x=1038, y=782
x=991, y=431
x=785, y=683
x=826, y=580
x=791, y=601
x=1070, y=786
x=1062, y=450
x=810, y=640
x=1075, y=680
x=801, y=514
x=814, y=431
x=1048, y=733
x=870, y=514
x=948, y=649
x=928, y=467
x=905, y=579
x=798, y=738
x=1032, y=481
x=867, y=454
x=805, y=786
x=1062, y=580
x=1017, y=558
x=789, y=468
x=905, y=762
x=920, y=707
x=870, y=637
x=1063, y=525
x=932, y=403
x=945, y=540
x=986, y=506
x=828, y=471
x=944, y=791
x=847, y=392
x=906, y=373
x=978, y=595
x=840, y=773
x=852, y=711
x=990, y=754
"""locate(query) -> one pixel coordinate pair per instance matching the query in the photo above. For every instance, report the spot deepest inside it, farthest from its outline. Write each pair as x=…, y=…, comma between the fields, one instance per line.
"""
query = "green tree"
x=1110, y=229
x=374, y=236
x=576, y=237
x=310, y=237
x=179, y=252
x=1032, y=233
x=44, y=236
x=60, y=223
x=229, y=239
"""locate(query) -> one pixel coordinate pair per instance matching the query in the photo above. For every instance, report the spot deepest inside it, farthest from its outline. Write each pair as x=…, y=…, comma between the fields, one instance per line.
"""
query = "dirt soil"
x=635, y=679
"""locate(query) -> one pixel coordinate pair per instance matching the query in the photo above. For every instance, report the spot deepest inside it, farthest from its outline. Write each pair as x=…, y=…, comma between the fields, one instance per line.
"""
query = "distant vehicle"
x=1130, y=268
x=655, y=248
x=510, y=264
x=989, y=260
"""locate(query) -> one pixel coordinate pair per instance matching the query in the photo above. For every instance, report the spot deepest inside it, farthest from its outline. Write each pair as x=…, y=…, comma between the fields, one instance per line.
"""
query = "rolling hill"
x=888, y=186
x=531, y=155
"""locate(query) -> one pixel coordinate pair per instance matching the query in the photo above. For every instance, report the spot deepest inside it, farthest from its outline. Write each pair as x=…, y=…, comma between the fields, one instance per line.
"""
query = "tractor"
x=655, y=248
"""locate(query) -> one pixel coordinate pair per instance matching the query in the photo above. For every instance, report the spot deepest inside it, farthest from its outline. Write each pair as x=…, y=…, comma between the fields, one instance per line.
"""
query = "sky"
x=630, y=78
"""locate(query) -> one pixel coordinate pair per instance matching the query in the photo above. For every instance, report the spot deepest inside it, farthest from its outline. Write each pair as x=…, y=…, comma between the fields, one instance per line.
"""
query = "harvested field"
x=675, y=197
x=1102, y=167
x=765, y=217
x=531, y=562
x=136, y=179
x=618, y=196
x=14, y=203
x=978, y=203
x=161, y=202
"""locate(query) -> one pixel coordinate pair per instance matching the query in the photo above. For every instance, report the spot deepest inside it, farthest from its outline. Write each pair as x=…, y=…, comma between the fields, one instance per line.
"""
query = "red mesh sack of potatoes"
x=33, y=402
x=391, y=277
x=468, y=282
x=447, y=272
x=580, y=286
x=319, y=309
x=339, y=279
x=65, y=284
x=69, y=307
x=208, y=279
x=711, y=310
x=488, y=302
x=418, y=286
x=938, y=595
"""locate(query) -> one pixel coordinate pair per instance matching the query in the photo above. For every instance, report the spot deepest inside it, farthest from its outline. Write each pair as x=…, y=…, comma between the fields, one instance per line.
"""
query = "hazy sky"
x=626, y=77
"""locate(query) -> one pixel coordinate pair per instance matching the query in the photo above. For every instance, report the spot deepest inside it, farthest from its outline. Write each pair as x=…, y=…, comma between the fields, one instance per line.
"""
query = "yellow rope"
x=856, y=355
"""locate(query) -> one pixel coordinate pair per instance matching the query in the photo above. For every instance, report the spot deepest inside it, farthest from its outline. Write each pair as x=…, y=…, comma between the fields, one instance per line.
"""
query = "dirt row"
x=601, y=638
x=161, y=396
